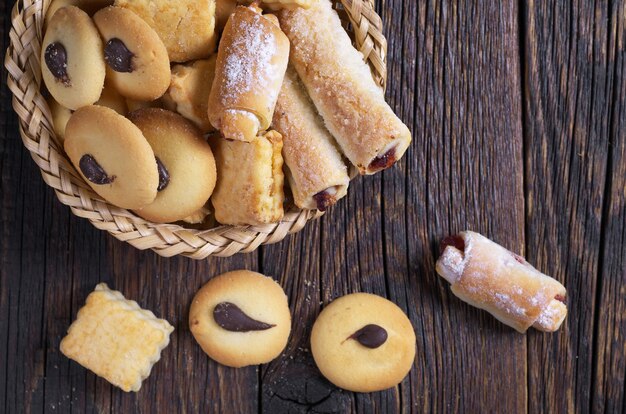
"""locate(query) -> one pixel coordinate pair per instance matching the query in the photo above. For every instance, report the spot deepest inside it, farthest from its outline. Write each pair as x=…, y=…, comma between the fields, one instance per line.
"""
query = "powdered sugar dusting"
x=249, y=58
x=453, y=261
x=506, y=303
x=252, y=117
x=547, y=316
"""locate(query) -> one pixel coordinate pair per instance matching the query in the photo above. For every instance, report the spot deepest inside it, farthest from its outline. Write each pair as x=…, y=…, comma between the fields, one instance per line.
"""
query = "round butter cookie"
x=113, y=156
x=134, y=105
x=137, y=62
x=241, y=318
x=363, y=342
x=111, y=98
x=60, y=116
x=72, y=63
x=88, y=6
x=185, y=162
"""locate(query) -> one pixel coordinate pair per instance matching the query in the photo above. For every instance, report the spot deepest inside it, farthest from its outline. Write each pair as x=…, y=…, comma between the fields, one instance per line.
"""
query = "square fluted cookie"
x=116, y=339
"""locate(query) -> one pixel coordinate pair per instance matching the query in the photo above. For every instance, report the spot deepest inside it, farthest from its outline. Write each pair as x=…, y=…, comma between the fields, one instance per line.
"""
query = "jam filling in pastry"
x=315, y=170
x=488, y=276
x=340, y=85
x=251, y=62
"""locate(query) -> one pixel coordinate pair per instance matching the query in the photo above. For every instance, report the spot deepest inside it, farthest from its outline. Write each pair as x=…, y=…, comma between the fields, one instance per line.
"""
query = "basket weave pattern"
x=35, y=123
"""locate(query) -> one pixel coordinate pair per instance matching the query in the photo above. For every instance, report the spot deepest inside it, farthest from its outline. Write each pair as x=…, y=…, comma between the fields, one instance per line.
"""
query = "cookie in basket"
x=111, y=98
x=134, y=105
x=185, y=162
x=211, y=241
x=112, y=156
x=363, y=342
x=199, y=216
x=88, y=6
x=241, y=318
x=186, y=27
x=249, y=187
x=223, y=10
x=189, y=91
x=137, y=62
x=60, y=116
x=72, y=63
x=116, y=339
x=287, y=4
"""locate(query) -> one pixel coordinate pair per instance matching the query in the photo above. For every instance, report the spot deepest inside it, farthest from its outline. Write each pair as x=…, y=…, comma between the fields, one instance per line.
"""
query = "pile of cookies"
x=360, y=342
x=178, y=109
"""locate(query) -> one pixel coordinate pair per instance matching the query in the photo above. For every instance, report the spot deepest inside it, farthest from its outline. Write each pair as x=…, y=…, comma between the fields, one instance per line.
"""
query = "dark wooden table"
x=518, y=113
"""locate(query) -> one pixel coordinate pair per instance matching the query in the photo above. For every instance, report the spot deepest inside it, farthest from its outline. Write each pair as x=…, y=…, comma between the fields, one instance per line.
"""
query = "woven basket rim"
x=24, y=80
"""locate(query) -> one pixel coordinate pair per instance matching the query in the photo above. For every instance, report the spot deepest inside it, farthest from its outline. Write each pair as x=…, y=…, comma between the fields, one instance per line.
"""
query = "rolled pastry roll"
x=488, y=276
x=249, y=187
x=251, y=63
x=316, y=172
x=341, y=87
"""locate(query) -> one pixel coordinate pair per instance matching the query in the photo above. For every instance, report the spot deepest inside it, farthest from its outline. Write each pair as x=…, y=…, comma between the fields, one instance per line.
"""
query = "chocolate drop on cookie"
x=230, y=317
x=164, y=175
x=323, y=200
x=371, y=336
x=93, y=171
x=455, y=241
x=117, y=56
x=383, y=161
x=56, y=60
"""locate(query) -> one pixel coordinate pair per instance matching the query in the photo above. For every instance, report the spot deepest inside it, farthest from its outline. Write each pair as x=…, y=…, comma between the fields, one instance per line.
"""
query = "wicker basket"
x=24, y=81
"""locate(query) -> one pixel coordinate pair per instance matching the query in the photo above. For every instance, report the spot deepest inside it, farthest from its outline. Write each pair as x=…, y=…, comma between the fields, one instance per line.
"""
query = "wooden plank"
x=56, y=307
x=23, y=197
x=23, y=277
x=569, y=76
x=610, y=326
x=401, y=33
x=351, y=234
x=348, y=246
x=292, y=383
x=463, y=171
x=88, y=267
x=461, y=98
x=10, y=214
x=352, y=261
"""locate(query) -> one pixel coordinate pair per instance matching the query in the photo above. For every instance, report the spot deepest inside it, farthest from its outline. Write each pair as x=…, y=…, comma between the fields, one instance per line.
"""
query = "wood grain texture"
x=610, y=325
x=570, y=80
x=23, y=270
x=463, y=172
x=518, y=113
